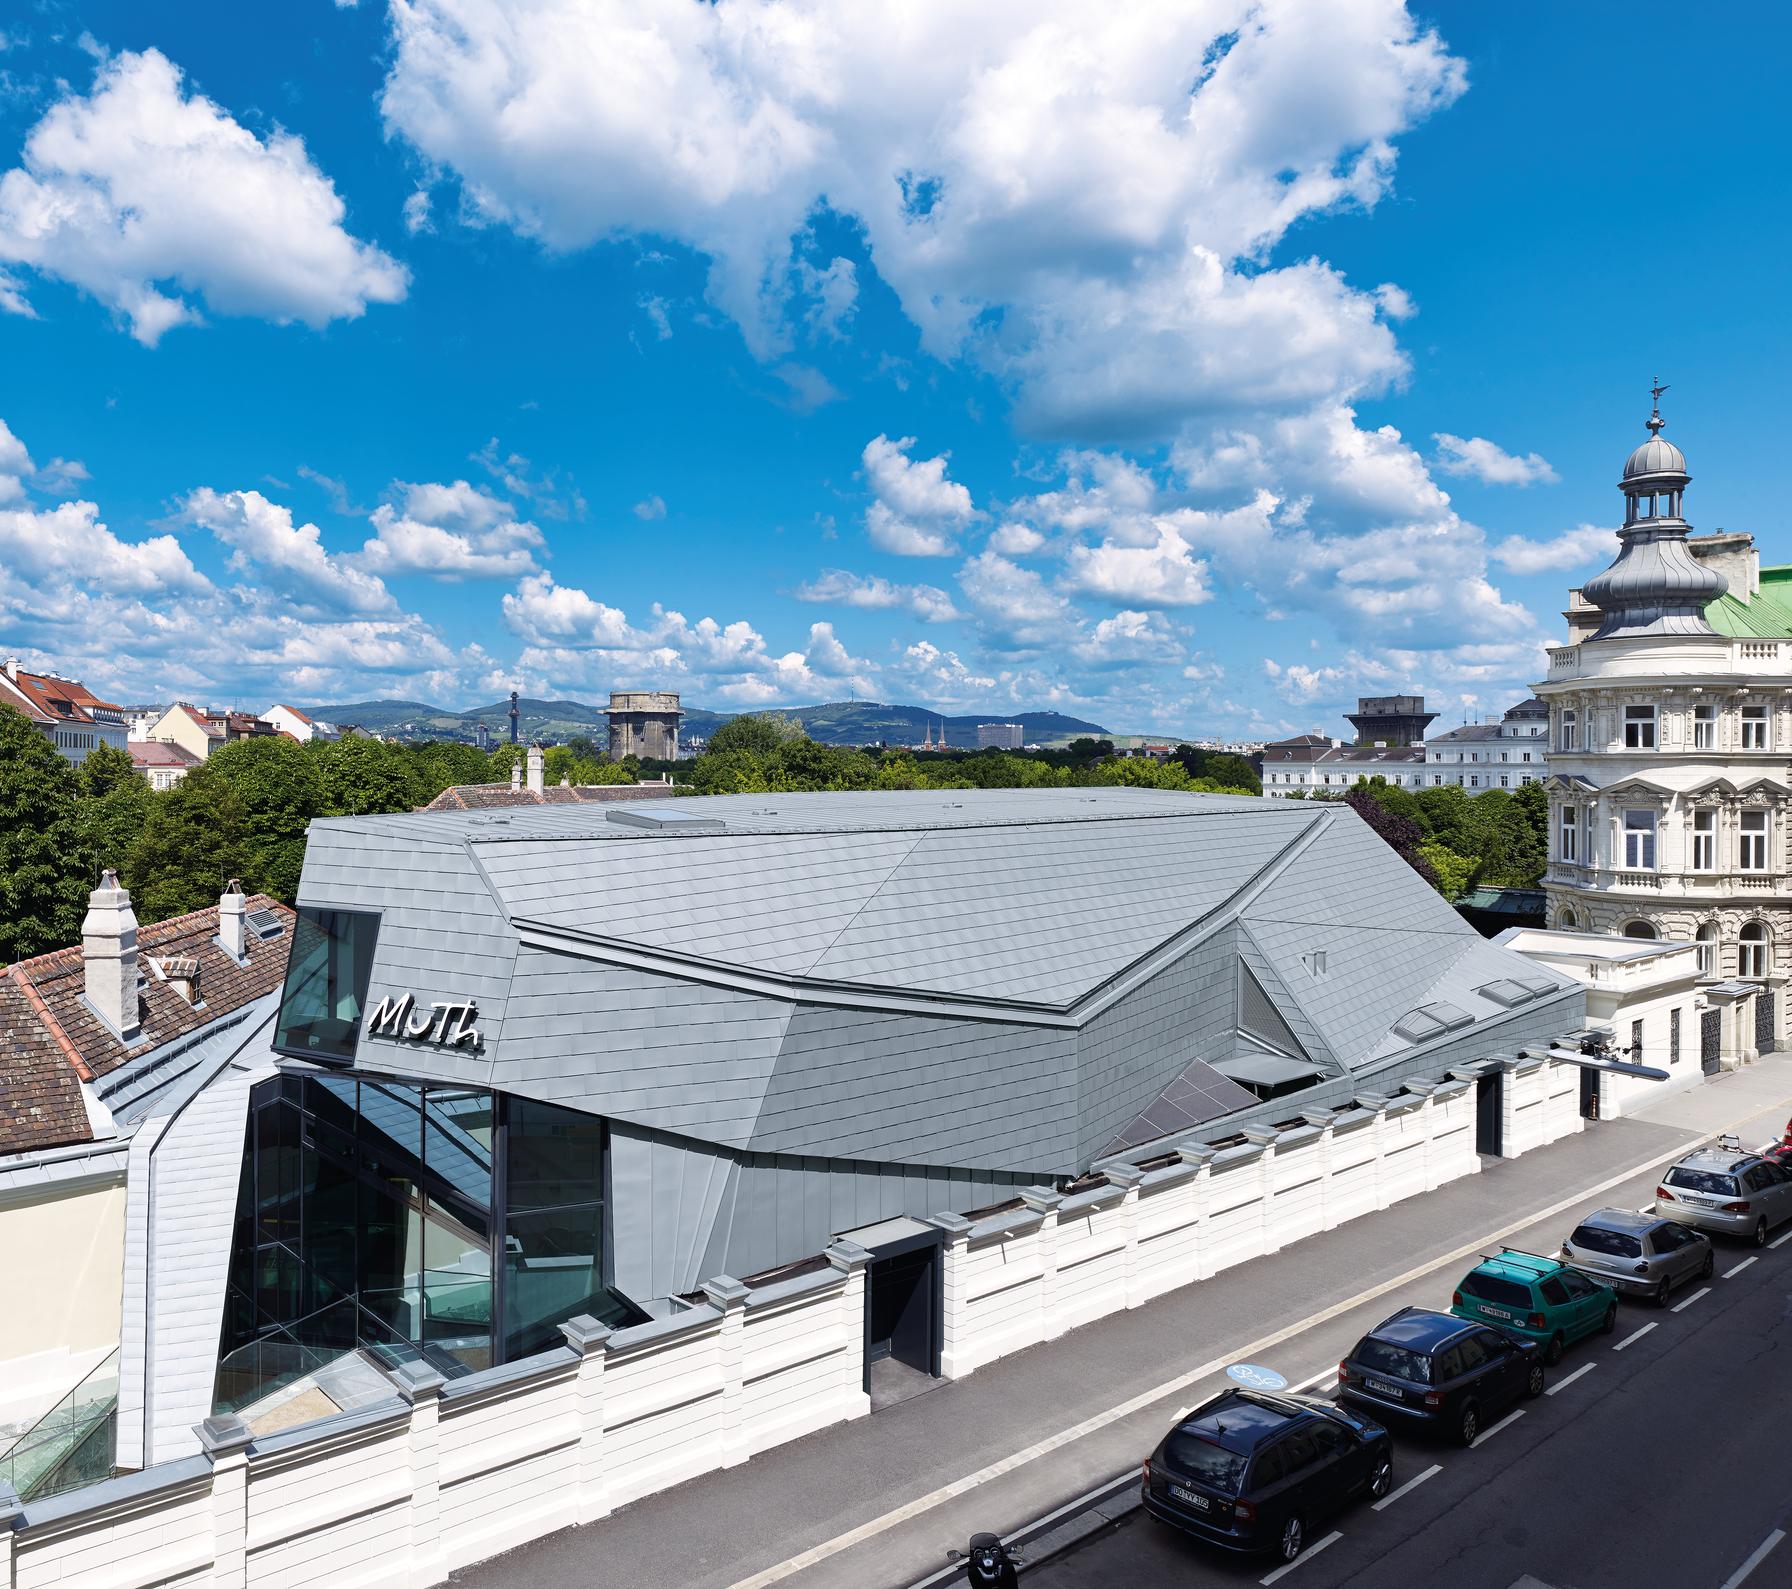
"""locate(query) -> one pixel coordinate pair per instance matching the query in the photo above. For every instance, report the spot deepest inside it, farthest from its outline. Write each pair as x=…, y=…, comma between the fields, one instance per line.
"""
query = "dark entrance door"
x=900, y=1311
x=1488, y=1138
x=1764, y=1042
x=1589, y=1093
x=1710, y=1040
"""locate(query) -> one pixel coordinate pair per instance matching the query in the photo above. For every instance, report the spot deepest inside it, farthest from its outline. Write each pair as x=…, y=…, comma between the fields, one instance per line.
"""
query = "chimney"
x=109, y=954
x=231, y=908
x=537, y=770
x=12, y=668
x=516, y=775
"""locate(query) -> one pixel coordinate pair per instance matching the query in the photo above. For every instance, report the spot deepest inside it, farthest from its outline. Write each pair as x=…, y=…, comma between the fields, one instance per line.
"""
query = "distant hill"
x=836, y=723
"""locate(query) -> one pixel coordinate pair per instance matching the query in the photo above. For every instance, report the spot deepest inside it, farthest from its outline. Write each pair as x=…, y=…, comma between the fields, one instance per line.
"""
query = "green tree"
x=360, y=776
x=44, y=867
x=111, y=806
x=1455, y=873
x=758, y=732
x=730, y=772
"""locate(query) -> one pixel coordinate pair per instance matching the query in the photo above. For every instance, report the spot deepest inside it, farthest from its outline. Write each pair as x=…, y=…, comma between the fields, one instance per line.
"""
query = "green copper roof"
x=1768, y=615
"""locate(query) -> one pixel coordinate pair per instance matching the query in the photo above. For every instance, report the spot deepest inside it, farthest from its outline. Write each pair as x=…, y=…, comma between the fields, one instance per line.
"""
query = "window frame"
x=1704, y=841
x=1639, y=840
x=1752, y=842
x=1755, y=724
x=1640, y=727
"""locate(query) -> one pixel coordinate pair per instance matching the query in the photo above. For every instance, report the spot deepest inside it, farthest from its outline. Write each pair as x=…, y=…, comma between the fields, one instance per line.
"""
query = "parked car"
x=1540, y=1298
x=1638, y=1255
x=1251, y=1471
x=1726, y=1193
x=1434, y=1370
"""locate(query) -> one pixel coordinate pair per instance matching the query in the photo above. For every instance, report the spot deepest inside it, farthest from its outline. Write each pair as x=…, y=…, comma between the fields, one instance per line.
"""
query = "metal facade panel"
x=666, y=1196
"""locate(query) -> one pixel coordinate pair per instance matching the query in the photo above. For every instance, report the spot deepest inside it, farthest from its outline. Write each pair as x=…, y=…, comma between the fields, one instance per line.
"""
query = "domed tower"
x=1656, y=586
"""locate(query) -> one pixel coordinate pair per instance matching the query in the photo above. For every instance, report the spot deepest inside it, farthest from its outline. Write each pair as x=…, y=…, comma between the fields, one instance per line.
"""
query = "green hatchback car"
x=1539, y=1298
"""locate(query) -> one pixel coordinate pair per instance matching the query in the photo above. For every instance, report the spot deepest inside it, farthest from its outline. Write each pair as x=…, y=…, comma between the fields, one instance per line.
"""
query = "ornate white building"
x=1506, y=753
x=1670, y=737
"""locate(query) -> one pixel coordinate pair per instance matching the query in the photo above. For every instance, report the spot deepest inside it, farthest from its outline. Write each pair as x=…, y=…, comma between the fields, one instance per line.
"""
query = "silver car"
x=1638, y=1255
x=1726, y=1193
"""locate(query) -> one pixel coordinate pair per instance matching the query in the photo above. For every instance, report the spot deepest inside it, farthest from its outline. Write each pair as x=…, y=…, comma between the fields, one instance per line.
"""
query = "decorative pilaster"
x=224, y=1440
x=590, y=1339
x=421, y=1388
x=728, y=1294
x=1043, y=1201
x=1377, y=1104
x=1201, y=1157
x=954, y=1290
x=1323, y=1118
x=1261, y=1137
x=848, y=1258
x=1128, y=1176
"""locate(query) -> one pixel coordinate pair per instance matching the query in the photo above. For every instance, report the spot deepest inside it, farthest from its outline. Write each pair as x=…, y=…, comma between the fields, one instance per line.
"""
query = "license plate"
x=1200, y=1502
x=1700, y=1202
x=1382, y=1389
x=1496, y=1313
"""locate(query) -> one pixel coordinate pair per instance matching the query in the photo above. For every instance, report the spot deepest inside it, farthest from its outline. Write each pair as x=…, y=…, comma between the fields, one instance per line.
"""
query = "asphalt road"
x=1657, y=1461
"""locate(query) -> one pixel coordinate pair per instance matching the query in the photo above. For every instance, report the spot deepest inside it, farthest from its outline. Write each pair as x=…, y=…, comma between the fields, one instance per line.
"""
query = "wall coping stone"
x=1124, y=1175
x=223, y=1433
x=951, y=1224
x=1353, y=1119
x=1096, y=1197
x=829, y=1279
x=418, y=1381
x=1299, y=1137
x=1453, y=1088
x=656, y=1331
x=1197, y=1153
x=1421, y=1086
x=725, y=1290
x=390, y=1409
x=126, y=1489
x=1244, y=1153
x=1016, y=1221
x=1404, y=1105
x=1041, y=1199
x=1166, y=1176
x=1320, y=1117
x=585, y=1334
x=552, y=1361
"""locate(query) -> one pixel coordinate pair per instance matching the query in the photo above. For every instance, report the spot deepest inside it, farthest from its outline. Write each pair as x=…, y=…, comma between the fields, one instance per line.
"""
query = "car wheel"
x=1533, y=1381
x=1610, y=1321
x=1468, y=1424
x=1709, y=1264
x=1294, y=1538
x=1662, y=1291
x=1760, y=1236
x=1381, y=1478
x=1552, y=1354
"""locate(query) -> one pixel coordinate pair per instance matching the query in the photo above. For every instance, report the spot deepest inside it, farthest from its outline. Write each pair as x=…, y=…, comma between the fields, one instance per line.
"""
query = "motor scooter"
x=989, y=1564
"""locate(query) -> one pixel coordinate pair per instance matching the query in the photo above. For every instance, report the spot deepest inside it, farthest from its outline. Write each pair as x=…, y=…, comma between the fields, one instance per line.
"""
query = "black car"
x=1252, y=1471
x=1436, y=1370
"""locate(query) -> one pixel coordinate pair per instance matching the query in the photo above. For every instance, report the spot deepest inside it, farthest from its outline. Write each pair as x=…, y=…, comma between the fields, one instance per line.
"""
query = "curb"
x=1061, y=1528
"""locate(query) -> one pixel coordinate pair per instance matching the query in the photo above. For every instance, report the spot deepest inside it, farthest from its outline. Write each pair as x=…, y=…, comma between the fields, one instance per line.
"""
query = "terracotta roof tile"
x=46, y=1012
x=492, y=796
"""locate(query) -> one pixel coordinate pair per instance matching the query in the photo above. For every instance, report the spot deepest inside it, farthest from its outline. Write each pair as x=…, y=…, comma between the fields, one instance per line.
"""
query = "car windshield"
x=1397, y=1362
x=1613, y=1243
x=1702, y=1181
x=1205, y=1462
x=1492, y=1288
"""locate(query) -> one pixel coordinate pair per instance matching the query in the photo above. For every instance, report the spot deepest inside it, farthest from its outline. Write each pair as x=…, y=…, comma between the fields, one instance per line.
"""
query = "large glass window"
x=366, y=1221
x=1704, y=841
x=326, y=983
x=1639, y=841
x=1754, y=728
x=1570, y=829
x=1639, y=728
x=1752, y=958
x=1752, y=842
x=1704, y=726
x=1707, y=942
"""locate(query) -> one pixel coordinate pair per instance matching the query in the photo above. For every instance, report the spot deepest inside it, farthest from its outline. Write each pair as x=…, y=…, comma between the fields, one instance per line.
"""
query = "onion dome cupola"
x=1657, y=586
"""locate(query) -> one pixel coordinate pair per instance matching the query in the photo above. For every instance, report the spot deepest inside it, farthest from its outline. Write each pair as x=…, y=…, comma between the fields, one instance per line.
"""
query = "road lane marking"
x=1563, y=1384
x=1411, y=1484
x=1488, y=1434
x=1779, y=1241
x=1306, y=1555
x=1314, y=1379
x=1703, y=1291
x=1730, y=1274
x=1098, y=1421
x=1755, y=1560
x=1633, y=1337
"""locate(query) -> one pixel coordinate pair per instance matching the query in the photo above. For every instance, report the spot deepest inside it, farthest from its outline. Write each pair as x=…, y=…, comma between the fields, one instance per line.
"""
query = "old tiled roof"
x=40, y=1099
x=160, y=753
x=491, y=796
x=50, y=989
x=65, y=700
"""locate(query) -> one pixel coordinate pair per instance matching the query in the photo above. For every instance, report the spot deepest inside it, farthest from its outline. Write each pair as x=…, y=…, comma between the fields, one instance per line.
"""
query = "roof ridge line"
x=845, y=927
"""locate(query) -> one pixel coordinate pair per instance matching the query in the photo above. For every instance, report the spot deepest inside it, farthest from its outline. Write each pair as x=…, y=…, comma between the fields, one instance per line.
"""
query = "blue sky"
x=1048, y=356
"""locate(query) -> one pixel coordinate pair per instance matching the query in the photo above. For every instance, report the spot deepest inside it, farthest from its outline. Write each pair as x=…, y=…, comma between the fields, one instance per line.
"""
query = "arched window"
x=1753, y=952
x=1707, y=941
x=1640, y=929
x=1567, y=923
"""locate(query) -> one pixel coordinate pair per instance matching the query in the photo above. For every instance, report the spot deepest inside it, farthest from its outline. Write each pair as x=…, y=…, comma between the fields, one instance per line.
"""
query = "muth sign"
x=448, y=1023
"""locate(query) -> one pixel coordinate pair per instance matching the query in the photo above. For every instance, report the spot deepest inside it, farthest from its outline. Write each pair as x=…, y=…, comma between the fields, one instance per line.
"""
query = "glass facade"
x=365, y=1220
x=326, y=983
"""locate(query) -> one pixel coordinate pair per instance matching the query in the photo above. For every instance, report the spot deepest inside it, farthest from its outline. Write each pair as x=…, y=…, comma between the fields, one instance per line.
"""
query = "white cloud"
x=1015, y=603
x=450, y=532
x=1577, y=548
x=15, y=465
x=265, y=541
x=1482, y=460
x=917, y=510
x=1082, y=200
x=1161, y=575
x=835, y=291
x=1015, y=539
x=878, y=594
x=1127, y=638
x=145, y=196
x=417, y=217
x=650, y=508
x=68, y=545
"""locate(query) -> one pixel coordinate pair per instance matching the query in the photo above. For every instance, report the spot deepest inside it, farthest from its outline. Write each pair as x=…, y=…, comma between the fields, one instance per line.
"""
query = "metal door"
x=1487, y=1114
x=1710, y=1040
x=1589, y=1093
x=1764, y=1039
x=900, y=1310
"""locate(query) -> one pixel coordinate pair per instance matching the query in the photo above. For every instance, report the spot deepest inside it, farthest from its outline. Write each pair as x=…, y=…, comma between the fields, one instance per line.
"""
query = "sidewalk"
x=746, y=1524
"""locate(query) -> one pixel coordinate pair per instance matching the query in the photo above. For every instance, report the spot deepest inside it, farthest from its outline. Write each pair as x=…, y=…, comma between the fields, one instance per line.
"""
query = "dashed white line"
x=1569, y=1379
x=1306, y=1555
x=1632, y=1338
x=1489, y=1433
x=1681, y=1307
x=1313, y=1379
x=1730, y=1274
x=1754, y=1561
x=1779, y=1241
x=1410, y=1485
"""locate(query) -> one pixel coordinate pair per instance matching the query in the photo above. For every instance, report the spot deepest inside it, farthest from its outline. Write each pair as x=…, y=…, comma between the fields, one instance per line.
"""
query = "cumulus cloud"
x=1482, y=460
x=917, y=510
x=1581, y=547
x=878, y=594
x=146, y=196
x=650, y=508
x=1014, y=603
x=1082, y=201
x=264, y=541
x=1162, y=574
x=451, y=532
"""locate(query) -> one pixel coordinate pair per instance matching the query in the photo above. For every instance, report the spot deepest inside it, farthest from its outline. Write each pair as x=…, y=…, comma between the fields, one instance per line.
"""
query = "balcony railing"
x=73, y=1443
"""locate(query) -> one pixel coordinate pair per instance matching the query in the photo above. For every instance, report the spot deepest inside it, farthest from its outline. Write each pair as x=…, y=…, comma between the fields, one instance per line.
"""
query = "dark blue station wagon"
x=1434, y=1370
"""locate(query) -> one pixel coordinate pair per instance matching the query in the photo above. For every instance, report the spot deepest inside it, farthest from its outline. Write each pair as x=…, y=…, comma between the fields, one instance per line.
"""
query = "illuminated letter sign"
x=446, y=1023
